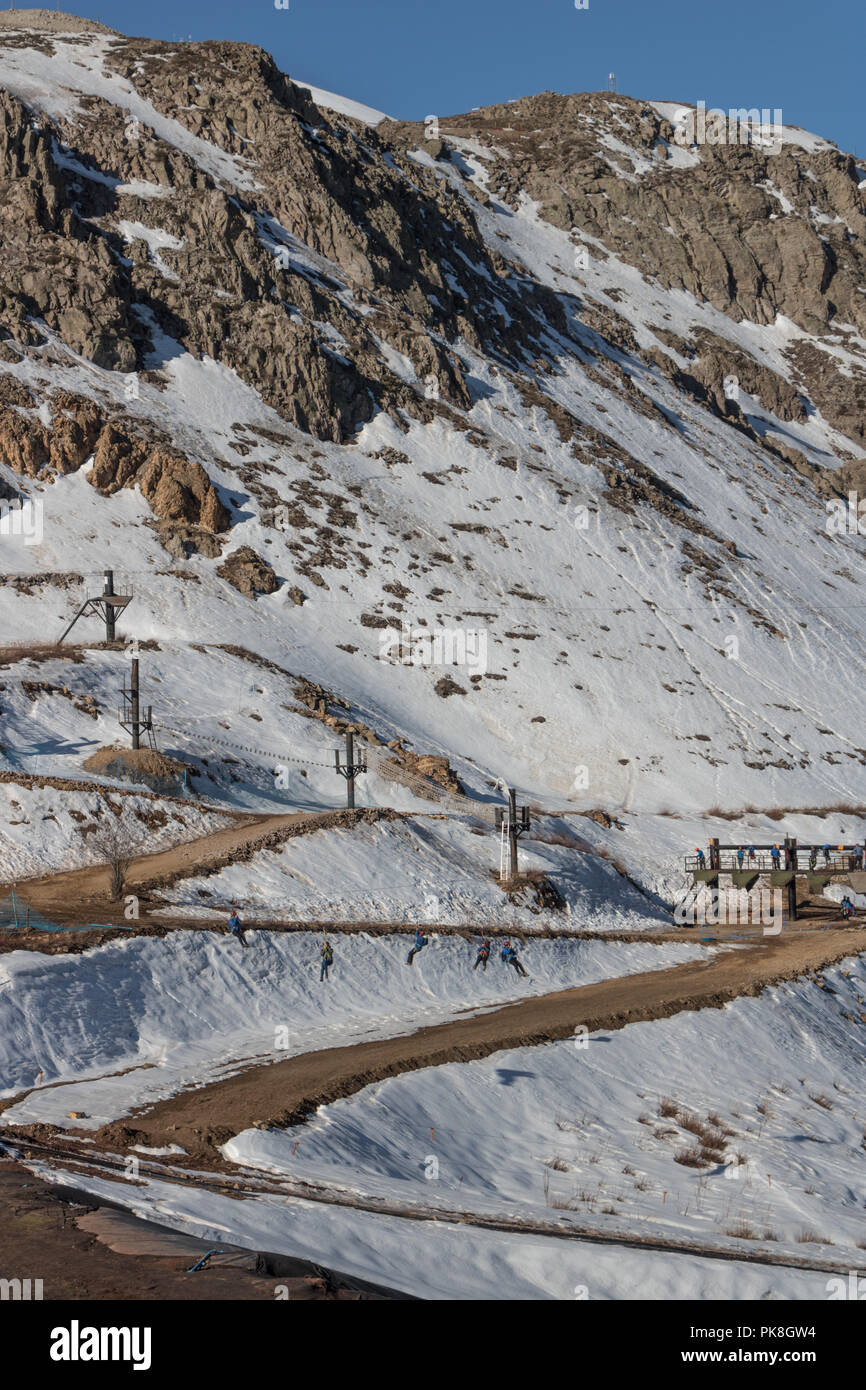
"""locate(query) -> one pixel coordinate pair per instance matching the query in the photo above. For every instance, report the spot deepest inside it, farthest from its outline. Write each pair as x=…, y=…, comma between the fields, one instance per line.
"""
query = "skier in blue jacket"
x=483, y=955
x=420, y=943
x=236, y=928
x=510, y=957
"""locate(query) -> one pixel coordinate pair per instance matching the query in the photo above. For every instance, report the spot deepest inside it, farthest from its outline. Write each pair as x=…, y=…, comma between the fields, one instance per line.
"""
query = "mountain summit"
x=543, y=381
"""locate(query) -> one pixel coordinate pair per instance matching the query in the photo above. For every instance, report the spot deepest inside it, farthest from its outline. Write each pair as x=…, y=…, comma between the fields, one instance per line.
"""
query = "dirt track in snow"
x=284, y=1093
x=78, y=895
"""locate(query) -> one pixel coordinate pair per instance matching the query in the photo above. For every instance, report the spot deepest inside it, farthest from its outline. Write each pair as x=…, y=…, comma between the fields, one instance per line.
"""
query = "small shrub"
x=715, y=1139
x=691, y=1158
x=741, y=1230
x=692, y=1124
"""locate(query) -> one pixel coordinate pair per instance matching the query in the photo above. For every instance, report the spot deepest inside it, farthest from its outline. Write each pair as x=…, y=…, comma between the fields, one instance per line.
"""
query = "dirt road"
x=284, y=1093
x=75, y=896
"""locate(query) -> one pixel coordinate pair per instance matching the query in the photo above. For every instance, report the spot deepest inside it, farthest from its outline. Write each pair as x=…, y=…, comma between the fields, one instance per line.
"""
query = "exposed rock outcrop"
x=248, y=573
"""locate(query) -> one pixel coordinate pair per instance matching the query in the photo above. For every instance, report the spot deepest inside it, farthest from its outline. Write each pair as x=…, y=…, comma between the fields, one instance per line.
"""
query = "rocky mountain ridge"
x=509, y=359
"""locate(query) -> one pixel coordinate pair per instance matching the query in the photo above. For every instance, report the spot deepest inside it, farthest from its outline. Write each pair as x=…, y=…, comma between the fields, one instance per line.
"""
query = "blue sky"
x=412, y=59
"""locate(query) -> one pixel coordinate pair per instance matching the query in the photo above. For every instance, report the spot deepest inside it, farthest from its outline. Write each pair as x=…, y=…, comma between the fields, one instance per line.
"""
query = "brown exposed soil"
x=87, y=1251
x=135, y=759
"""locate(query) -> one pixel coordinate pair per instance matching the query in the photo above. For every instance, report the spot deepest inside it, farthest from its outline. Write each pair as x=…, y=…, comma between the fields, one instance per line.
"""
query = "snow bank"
x=426, y=869
x=435, y=1260
x=44, y=830
x=344, y=106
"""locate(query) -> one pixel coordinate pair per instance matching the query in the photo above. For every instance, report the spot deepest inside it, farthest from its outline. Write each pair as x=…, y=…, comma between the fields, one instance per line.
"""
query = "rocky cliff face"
x=490, y=374
x=235, y=276
x=756, y=230
x=228, y=281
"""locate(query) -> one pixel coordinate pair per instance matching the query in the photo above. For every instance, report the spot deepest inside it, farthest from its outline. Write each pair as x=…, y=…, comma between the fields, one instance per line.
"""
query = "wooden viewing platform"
x=782, y=869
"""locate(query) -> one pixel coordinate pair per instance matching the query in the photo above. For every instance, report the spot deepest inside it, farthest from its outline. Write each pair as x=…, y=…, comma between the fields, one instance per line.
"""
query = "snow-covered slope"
x=344, y=106
x=581, y=1138
x=137, y=1020
x=428, y=869
x=516, y=446
x=774, y=1149
x=651, y=609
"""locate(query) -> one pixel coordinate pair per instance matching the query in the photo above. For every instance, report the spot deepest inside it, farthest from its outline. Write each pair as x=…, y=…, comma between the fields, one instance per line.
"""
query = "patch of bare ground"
x=11, y=653
x=83, y=1250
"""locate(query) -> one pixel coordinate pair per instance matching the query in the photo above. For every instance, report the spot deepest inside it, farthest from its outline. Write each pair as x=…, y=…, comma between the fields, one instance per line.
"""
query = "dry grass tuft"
x=692, y=1158
x=824, y=1101
x=741, y=1230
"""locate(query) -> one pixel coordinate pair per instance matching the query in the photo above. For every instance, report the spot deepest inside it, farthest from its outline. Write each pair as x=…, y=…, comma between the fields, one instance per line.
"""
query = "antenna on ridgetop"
x=611, y=82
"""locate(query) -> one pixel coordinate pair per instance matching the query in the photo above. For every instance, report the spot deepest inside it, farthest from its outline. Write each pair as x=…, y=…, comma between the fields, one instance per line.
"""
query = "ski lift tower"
x=106, y=605
x=130, y=716
x=350, y=769
x=511, y=822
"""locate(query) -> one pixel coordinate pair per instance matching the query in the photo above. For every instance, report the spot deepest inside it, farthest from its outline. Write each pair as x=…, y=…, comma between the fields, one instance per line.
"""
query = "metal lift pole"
x=134, y=706
x=108, y=592
x=350, y=779
x=512, y=832
x=350, y=769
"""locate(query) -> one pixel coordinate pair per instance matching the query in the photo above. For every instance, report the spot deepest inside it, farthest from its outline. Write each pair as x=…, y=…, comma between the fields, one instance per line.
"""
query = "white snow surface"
x=424, y=869
x=40, y=834
x=343, y=106
x=440, y=1260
